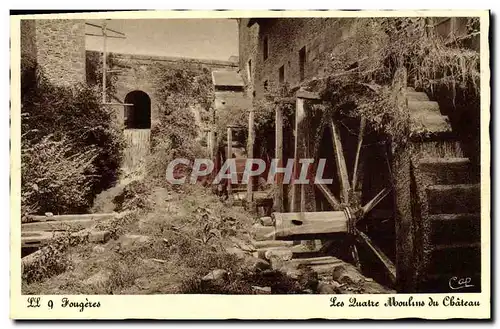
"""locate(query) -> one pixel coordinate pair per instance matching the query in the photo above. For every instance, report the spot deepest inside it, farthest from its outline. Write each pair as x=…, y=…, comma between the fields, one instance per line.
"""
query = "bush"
x=71, y=146
x=55, y=178
x=175, y=134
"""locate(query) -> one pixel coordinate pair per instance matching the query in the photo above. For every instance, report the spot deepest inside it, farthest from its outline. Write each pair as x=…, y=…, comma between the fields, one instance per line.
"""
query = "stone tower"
x=58, y=46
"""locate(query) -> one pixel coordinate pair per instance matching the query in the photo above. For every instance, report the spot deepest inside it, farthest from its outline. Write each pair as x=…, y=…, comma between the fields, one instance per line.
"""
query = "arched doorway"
x=138, y=116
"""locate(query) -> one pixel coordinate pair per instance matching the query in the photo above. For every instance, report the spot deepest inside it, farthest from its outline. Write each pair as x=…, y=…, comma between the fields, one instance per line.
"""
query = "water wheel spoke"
x=358, y=151
x=340, y=163
x=375, y=201
x=332, y=200
x=379, y=255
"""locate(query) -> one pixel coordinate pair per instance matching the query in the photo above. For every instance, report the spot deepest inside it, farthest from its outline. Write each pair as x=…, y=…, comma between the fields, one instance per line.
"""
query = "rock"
x=278, y=257
x=260, y=265
x=254, y=264
x=347, y=273
x=49, y=214
x=262, y=290
x=240, y=254
x=266, y=221
x=327, y=288
x=308, y=279
x=283, y=254
x=128, y=240
x=99, y=279
x=261, y=233
x=218, y=276
x=242, y=244
x=99, y=249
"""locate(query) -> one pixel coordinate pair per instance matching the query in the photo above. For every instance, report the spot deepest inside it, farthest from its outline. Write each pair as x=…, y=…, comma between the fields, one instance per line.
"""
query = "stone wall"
x=28, y=44
x=137, y=72
x=287, y=36
x=59, y=48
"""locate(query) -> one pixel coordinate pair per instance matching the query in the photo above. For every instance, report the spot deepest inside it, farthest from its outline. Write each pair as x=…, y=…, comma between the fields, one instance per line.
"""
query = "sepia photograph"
x=254, y=155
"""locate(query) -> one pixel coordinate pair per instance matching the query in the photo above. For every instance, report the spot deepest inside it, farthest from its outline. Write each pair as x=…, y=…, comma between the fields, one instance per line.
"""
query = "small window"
x=249, y=70
x=302, y=62
x=282, y=74
x=266, y=87
x=266, y=47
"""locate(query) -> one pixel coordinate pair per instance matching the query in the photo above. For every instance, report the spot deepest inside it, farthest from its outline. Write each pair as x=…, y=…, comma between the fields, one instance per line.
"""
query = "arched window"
x=138, y=115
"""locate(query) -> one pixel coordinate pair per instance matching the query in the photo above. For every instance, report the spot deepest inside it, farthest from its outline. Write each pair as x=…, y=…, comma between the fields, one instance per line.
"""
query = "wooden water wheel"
x=424, y=190
x=360, y=187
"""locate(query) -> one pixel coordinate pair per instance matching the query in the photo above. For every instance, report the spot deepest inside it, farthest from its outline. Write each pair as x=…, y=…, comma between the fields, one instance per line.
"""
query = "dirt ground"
x=186, y=241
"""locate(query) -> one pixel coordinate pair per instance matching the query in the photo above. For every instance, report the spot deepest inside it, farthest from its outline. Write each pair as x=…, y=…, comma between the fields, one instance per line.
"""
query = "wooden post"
x=104, y=39
x=278, y=198
x=229, y=155
x=250, y=141
x=299, y=117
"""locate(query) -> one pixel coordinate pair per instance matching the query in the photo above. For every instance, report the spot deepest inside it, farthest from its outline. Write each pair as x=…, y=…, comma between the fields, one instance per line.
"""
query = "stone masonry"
x=58, y=45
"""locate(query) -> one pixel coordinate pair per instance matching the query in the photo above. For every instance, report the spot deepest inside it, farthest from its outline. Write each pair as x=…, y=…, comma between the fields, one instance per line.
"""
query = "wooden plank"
x=316, y=261
x=250, y=141
x=332, y=200
x=278, y=198
x=388, y=265
x=40, y=238
x=341, y=164
x=101, y=216
x=303, y=224
x=308, y=95
x=57, y=225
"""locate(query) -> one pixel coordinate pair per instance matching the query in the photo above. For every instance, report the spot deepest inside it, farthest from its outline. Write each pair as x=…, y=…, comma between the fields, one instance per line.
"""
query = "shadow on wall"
x=138, y=115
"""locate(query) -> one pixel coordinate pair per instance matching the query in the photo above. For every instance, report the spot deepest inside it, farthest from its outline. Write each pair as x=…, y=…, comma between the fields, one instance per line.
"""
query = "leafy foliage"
x=175, y=133
x=53, y=258
x=71, y=146
x=93, y=71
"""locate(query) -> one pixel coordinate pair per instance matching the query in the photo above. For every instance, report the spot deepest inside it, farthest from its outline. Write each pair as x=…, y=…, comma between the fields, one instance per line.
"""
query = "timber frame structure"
x=425, y=190
x=431, y=195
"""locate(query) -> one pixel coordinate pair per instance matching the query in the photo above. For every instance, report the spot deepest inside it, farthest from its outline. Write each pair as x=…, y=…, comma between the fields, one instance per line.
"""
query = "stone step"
x=416, y=96
x=455, y=258
x=449, y=229
x=445, y=171
x=454, y=199
x=423, y=106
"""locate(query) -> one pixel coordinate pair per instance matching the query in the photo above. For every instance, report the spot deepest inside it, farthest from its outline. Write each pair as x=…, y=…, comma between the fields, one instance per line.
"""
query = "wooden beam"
x=375, y=201
x=309, y=224
x=300, y=114
x=308, y=95
x=381, y=257
x=278, y=198
x=250, y=141
x=332, y=200
x=340, y=162
x=358, y=151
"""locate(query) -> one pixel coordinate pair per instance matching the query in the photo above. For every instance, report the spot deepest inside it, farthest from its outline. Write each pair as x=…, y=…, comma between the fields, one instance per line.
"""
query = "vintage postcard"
x=250, y=165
